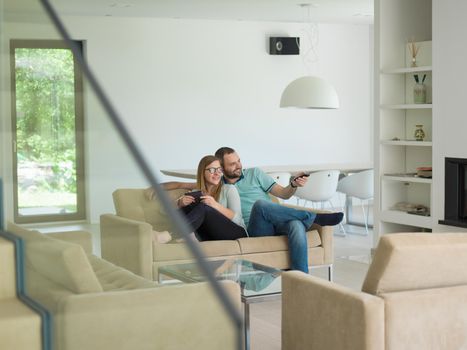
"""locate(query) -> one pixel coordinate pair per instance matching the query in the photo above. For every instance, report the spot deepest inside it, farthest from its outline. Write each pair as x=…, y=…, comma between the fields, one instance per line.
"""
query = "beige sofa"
x=414, y=297
x=97, y=305
x=129, y=239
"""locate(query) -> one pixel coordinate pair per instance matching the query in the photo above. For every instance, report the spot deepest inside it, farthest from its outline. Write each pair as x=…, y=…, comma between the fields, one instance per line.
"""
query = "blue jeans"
x=271, y=219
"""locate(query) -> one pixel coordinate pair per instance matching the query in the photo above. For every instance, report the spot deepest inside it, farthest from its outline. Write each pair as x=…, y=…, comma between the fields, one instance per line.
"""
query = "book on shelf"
x=412, y=208
x=425, y=172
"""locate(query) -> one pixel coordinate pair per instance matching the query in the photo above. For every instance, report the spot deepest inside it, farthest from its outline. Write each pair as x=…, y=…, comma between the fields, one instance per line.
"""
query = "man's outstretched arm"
x=287, y=192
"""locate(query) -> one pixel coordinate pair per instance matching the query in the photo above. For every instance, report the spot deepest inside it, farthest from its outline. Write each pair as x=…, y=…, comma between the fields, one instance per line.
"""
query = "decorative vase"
x=414, y=62
x=419, y=93
x=419, y=134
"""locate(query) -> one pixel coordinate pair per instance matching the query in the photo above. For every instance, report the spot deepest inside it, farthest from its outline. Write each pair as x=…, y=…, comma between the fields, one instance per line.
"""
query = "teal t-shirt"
x=254, y=184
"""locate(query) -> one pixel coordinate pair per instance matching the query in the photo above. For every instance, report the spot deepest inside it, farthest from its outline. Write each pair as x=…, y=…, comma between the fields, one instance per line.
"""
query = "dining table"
x=344, y=168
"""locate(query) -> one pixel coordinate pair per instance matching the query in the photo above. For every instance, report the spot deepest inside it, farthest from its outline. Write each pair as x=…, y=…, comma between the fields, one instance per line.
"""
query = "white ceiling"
x=331, y=11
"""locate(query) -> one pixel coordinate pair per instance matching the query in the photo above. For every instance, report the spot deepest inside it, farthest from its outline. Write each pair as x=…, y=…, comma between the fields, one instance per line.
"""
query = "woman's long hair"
x=201, y=183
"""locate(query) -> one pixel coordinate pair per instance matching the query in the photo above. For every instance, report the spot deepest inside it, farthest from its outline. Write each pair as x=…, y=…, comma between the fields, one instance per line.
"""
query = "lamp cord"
x=311, y=34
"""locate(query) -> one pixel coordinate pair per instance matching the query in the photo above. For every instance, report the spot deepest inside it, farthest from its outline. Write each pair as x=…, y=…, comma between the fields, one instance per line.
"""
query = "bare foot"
x=161, y=237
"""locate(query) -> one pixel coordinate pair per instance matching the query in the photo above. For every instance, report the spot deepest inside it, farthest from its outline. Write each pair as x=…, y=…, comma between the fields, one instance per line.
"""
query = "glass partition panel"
x=83, y=198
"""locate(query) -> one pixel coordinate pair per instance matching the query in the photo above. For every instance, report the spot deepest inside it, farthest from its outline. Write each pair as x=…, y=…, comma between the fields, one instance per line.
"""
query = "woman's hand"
x=209, y=200
x=183, y=201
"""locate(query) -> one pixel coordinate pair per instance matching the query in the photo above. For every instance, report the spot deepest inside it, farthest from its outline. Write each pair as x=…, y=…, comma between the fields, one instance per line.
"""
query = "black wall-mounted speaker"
x=284, y=45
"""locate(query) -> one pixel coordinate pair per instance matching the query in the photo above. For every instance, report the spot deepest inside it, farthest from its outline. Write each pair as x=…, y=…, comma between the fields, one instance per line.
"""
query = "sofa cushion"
x=112, y=277
x=133, y=203
x=409, y=261
x=426, y=319
x=180, y=251
x=63, y=263
x=23, y=233
x=266, y=244
x=83, y=238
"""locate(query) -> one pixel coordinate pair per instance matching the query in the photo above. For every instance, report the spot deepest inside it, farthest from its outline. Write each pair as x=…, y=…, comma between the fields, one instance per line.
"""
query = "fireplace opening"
x=463, y=202
x=455, y=192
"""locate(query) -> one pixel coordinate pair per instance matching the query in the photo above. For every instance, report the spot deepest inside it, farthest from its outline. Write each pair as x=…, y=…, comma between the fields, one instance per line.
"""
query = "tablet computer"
x=195, y=194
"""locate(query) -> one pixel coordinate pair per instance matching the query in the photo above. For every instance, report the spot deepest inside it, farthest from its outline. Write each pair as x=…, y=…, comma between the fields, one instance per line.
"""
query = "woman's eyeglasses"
x=214, y=170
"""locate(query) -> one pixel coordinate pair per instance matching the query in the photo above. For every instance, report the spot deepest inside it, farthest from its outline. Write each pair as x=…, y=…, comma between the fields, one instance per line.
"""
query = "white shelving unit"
x=408, y=106
x=401, y=218
x=407, y=143
x=407, y=70
x=408, y=179
x=397, y=153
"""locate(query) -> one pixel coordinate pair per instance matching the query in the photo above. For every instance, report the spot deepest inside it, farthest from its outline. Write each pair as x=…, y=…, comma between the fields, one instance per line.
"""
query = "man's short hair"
x=221, y=152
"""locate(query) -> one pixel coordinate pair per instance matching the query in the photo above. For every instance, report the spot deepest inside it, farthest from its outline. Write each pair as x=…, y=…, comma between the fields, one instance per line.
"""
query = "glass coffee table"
x=258, y=283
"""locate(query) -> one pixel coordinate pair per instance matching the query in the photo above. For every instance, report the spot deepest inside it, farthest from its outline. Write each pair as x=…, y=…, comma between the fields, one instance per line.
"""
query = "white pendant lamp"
x=311, y=93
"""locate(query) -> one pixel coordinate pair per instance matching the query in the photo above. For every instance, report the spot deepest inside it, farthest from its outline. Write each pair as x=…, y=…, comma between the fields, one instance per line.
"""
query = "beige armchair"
x=97, y=305
x=414, y=297
x=130, y=239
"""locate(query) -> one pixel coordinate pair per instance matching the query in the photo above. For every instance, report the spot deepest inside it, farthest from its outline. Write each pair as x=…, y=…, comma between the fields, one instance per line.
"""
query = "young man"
x=265, y=218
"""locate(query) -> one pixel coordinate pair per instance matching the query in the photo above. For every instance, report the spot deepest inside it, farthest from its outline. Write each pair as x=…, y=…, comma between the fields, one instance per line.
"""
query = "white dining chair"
x=319, y=189
x=359, y=185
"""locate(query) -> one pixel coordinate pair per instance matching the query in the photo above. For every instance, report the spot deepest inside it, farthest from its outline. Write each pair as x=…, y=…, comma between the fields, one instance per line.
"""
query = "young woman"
x=216, y=214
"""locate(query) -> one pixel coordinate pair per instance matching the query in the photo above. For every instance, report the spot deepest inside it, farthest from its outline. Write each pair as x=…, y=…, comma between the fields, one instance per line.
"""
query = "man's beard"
x=232, y=175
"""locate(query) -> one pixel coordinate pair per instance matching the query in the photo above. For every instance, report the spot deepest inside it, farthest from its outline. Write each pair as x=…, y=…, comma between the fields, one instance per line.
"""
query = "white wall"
x=186, y=87
x=449, y=94
x=216, y=80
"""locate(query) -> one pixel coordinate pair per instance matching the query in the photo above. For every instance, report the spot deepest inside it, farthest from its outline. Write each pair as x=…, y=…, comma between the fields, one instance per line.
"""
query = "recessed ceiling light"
x=121, y=5
x=308, y=4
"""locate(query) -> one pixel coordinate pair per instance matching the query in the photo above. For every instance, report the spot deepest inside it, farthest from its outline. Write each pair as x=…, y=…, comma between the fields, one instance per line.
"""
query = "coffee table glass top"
x=254, y=279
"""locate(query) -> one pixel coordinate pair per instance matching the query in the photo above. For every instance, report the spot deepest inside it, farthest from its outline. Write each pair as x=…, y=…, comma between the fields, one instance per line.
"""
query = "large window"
x=47, y=124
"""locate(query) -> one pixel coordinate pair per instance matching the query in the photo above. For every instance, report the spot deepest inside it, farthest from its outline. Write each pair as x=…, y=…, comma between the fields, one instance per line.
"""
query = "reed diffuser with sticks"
x=413, y=49
x=419, y=89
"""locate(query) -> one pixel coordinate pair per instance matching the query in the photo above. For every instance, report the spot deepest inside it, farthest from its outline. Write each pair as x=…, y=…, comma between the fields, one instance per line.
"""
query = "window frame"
x=80, y=213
